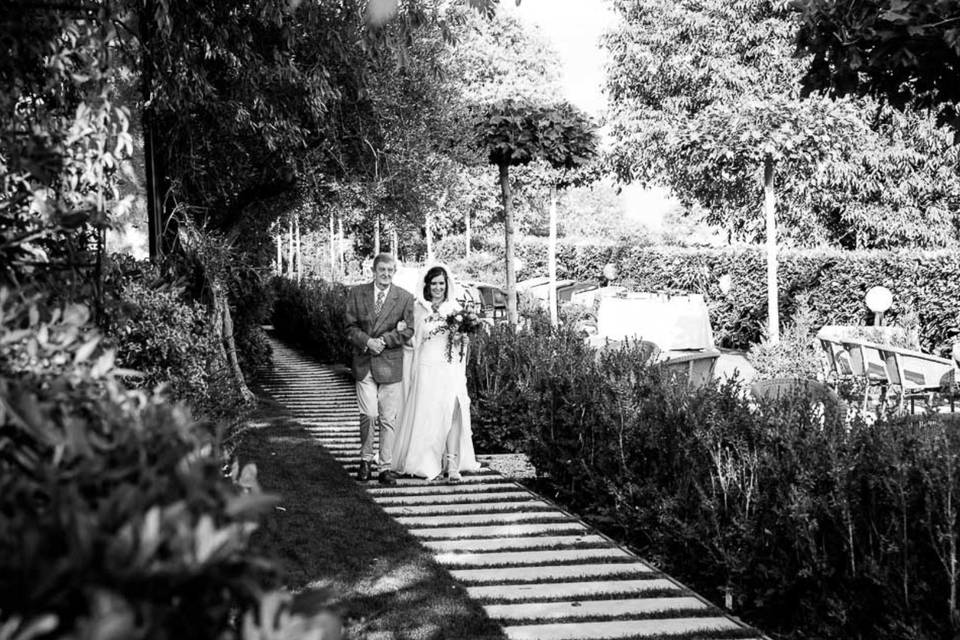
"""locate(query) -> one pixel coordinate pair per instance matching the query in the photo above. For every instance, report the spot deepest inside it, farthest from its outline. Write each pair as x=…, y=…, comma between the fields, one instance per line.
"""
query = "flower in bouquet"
x=458, y=323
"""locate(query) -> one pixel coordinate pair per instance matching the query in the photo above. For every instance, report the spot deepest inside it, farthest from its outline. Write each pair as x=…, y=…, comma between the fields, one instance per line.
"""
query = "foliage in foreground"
x=812, y=526
x=311, y=314
x=117, y=519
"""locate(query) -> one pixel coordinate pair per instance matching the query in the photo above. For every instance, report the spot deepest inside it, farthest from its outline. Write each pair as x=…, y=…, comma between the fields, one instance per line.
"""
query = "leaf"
x=103, y=364
x=86, y=350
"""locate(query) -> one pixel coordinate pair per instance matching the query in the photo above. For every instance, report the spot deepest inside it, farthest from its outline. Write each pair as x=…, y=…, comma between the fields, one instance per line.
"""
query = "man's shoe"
x=388, y=477
x=363, y=474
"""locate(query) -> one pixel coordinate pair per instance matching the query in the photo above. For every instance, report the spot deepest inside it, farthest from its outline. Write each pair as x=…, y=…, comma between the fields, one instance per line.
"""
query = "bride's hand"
x=401, y=326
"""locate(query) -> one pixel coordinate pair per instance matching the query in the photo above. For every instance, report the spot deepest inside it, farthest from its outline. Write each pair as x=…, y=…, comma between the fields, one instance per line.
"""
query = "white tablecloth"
x=677, y=322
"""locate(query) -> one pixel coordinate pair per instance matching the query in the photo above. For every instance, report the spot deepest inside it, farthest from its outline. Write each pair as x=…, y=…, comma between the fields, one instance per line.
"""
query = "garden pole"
x=290, y=248
x=296, y=222
x=508, y=243
x=769, y=210
x=278, y=236
x=552, y=258
x=333, y=250
x=343, y=267
x=427, y=226
x=466, y=233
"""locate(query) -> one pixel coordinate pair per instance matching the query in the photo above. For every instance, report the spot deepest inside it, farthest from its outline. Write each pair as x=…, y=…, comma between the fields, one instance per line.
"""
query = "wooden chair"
x=916, y=374
x=837, y=356
x=694, y=369
x=868, y=364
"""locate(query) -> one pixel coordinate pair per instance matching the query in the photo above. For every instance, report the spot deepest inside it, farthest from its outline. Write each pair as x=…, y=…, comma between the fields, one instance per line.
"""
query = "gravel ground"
x=511, y=465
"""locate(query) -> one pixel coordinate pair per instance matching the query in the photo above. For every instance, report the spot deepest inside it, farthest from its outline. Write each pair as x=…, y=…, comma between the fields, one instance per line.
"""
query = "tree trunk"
x=394, y=243
x=552, y=259
x=161, y=226
x=376, y=235
x=296, y=223
x=770, y=213
x=466, y=233
x=223, y=324
x=508, y=243
x=428, y=232
x=333, y=250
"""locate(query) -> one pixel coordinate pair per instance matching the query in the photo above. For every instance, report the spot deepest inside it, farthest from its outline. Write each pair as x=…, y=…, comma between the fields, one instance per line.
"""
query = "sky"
x=574, y=29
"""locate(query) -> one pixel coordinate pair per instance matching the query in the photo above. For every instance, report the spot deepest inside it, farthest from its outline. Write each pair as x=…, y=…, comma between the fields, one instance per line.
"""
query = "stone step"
x=515, y=506
x=620, y=629
x=521, y=558
x=432, y=488
x=571, y=590
x=481, y=518
x=497, y=531
x=572, y=572
x=595, y=608
x=511, y=544
x=468, y=478
x=451, y=498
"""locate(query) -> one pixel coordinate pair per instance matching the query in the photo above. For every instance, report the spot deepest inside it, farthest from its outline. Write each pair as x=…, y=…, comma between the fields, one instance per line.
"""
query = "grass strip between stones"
x=664, y=614
x=329, y=536
x=620, y=595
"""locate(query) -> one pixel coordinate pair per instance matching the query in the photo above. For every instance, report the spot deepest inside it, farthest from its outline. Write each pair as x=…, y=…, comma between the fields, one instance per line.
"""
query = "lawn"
x=332, y=541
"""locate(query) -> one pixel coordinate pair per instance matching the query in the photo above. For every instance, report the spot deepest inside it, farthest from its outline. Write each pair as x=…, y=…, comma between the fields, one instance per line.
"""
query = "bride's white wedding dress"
x=436, y=401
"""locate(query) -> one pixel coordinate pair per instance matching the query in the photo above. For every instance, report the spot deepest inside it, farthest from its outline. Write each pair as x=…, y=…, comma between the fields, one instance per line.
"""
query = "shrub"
x=169, y=341
x=311, y=314
x=116, y=517
x=796, y=355
x=809, y=525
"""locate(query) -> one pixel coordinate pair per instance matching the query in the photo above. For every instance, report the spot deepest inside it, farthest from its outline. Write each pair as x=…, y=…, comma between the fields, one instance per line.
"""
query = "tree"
x=905, y=52
x=768, y=136
x=514, y=134
x=673, y=60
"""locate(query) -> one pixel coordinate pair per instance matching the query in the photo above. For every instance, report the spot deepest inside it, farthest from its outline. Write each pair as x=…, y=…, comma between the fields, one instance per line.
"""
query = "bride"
x=434, y=431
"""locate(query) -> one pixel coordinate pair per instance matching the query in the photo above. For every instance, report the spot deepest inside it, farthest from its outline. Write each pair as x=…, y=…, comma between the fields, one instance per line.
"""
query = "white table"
x=672, y=322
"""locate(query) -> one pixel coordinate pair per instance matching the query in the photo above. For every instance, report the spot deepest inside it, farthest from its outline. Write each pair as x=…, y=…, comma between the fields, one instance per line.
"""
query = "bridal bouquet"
x=457, y=323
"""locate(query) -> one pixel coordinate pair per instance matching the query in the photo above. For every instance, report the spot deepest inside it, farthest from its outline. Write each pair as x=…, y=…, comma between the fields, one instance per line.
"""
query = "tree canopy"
x=905, y=52
x=682, y=78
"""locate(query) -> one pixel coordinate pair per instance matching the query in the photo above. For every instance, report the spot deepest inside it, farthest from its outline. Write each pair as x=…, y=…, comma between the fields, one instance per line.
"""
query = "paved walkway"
x=539, y=571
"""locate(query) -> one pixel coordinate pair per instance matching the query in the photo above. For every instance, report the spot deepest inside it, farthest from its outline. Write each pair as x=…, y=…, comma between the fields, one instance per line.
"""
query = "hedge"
x=812, y=525
x=837, y=281
x=311, y=314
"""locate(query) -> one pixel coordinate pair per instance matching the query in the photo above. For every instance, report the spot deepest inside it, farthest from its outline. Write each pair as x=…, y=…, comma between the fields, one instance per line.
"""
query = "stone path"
x=539, y=571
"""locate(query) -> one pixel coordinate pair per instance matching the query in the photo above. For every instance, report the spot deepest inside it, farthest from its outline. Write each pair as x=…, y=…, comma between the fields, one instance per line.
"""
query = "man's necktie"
x=381, y=294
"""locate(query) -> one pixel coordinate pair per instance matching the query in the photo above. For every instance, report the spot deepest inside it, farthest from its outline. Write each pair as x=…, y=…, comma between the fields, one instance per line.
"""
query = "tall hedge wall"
x=837, y=281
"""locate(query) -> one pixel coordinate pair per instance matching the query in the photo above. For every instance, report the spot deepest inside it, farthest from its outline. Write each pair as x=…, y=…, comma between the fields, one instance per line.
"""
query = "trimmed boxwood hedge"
x=927, y=281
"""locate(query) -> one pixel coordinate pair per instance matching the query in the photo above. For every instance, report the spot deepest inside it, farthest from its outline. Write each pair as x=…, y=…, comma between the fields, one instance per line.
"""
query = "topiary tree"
x=514, y=133
x=726, y=148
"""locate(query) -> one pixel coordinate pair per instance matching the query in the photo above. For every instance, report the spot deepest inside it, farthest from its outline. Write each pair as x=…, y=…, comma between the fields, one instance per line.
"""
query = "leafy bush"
x=116, y=518
x=811, y=525
x=311, y=314
x=169, y=341
x=796, y=355
x=925, y=284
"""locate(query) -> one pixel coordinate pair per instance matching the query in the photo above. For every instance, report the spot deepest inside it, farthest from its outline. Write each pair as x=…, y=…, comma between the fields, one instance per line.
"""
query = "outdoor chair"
x=816, y=391
x=694, y=369
x=867, y=364
x=917, y=374
x=837, y=356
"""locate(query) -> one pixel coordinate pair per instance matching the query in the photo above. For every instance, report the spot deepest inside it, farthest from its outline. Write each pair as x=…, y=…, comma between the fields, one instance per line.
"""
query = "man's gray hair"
x=384, y=257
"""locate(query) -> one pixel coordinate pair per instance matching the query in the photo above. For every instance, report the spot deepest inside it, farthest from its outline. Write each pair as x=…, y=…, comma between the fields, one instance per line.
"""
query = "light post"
x=610, y=272
x=725, y=283
x=878, y=300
